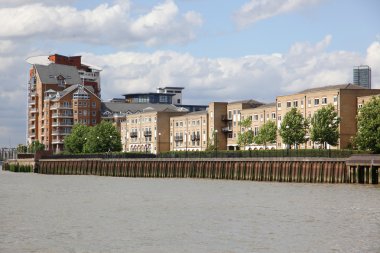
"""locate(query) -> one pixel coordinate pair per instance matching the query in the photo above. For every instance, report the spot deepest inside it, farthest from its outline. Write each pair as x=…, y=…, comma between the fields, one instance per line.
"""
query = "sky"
x=217, y=50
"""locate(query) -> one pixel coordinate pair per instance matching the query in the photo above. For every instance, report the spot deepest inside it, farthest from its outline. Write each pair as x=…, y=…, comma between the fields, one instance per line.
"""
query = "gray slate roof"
x=130, y=108
x=48, y=74
x=347, y=86
x=251, y=102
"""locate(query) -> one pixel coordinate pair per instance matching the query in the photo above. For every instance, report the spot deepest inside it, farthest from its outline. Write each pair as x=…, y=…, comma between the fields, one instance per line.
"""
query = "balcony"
x=225, y=118
x=195, y=137
x=57, y=141
x=179, y=138
x=64, y=123
x=60, y=133
x=33, y=110
x=133, y=135
x=147, y=133
x=226, y=130
x=61, y=115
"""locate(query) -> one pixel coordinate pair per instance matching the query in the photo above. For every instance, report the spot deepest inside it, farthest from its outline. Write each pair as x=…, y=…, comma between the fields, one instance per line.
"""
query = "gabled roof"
x=347, y=86
x=136, y=107
x=48, y=74
x=251, y=102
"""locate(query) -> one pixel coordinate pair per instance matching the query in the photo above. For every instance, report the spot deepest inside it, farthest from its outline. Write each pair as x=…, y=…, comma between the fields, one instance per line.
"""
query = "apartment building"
x=218, y=124
x=259, y=116
x=342, y=97
x=59, y=96
x=233, y=118
x=74, y=105
x=365, y=99
x=189, y=132
x=148, y=130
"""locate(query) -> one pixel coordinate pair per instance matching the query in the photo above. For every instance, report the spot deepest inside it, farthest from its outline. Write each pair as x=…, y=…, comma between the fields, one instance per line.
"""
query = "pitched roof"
x=48, y=74
x=347, y=86
x=129, y=108
x=251, y=102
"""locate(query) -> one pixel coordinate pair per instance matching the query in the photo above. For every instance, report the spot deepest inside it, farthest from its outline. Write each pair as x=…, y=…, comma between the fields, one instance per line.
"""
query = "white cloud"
x=256, y=10
x=260, y=77
x=105, y=24
x=373, y=60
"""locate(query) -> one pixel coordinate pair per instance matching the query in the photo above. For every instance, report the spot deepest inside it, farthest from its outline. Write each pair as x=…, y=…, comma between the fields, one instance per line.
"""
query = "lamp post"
x=110, y=146
x=158, y=144
x=186, y=142
x=287, y=145
x=216, y=143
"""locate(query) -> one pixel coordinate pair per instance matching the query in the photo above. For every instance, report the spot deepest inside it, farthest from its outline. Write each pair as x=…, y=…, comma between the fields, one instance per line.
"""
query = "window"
x=295, y=103
x=324, y=101
x=93, y=104
x=229, y=114
x=316, y=101
x=360, y=106
x=93, y=113
x=256, y=131
x=279, y=105
x=255, y=117
x=335, y=99
x=178, y=101
x=309, y=102
x=273, y=115
x=288, y=104
x=279, y=117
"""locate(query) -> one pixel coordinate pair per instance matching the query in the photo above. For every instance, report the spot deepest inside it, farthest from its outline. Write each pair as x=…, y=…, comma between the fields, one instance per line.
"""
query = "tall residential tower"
x=362, y=76
x=62, y=91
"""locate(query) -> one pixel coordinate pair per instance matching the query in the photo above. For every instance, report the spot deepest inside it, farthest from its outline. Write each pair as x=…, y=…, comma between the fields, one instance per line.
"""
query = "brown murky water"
x=43, y=213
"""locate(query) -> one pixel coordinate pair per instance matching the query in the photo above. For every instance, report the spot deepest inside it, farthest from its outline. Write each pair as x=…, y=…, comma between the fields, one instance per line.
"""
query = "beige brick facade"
x=189, y=132
x=342, y=97
x=147, y=131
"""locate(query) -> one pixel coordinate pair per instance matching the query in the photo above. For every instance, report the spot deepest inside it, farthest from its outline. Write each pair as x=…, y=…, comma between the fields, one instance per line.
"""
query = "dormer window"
x=61, y=81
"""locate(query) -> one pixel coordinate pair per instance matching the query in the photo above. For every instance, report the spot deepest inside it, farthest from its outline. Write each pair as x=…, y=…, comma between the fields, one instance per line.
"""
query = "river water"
x=80, y=214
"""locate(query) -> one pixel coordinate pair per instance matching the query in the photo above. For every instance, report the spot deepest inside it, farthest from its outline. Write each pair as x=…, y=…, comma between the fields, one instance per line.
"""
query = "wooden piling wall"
x=300, y=170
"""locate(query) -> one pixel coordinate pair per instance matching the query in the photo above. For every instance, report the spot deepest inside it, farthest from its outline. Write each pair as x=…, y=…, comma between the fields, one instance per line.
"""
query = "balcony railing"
x=148, y=133
x=226, y=118
x=133, y=134
x=33, y=110
x=57, y=141
x=226, y=130
x=64, y=123
x=179, y=138
x=61, y=115
x=60, y=133
x=195, y=137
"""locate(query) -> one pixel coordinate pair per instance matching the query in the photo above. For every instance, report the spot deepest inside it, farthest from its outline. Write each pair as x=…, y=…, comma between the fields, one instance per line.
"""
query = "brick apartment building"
x=62, y=91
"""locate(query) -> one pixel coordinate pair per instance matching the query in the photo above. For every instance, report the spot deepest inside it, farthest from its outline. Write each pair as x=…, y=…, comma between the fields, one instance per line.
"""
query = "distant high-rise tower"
x=362, y=76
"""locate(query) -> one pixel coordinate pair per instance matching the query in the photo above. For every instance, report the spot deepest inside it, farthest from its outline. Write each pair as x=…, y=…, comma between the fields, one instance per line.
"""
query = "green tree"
x=325, y=126
x=22, y=149
x=293, y=128
x=368, y=135
x=103, y=137
x=267, y=134
x=36, y=146
x=74, y=143
x=245, y=138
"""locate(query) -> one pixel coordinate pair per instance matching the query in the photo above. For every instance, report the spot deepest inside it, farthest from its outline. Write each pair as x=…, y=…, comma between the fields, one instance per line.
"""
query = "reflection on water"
x=43, y=213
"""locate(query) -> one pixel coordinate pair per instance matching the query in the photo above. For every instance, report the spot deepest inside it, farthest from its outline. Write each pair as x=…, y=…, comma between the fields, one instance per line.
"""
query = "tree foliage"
x=36, y=146
x=246, y=137
x=103, y=137
x=325, y=126
x=368, y=135
x=267, y=134
x=22, y=149
x=293, y=128
x=74, y=143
